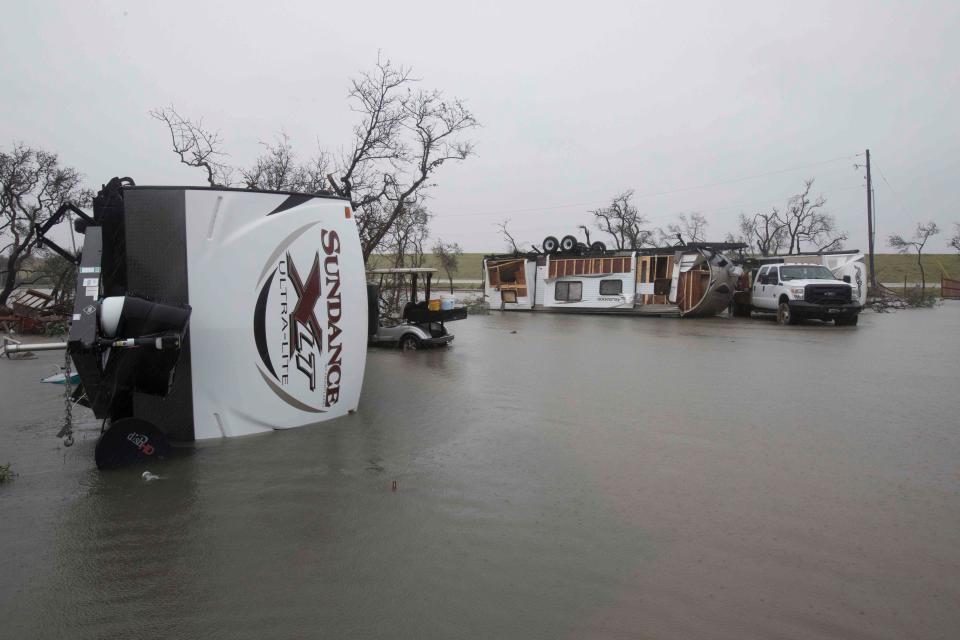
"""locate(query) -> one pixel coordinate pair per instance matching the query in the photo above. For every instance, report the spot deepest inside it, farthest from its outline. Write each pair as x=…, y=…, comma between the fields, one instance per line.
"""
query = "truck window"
x=806, y=272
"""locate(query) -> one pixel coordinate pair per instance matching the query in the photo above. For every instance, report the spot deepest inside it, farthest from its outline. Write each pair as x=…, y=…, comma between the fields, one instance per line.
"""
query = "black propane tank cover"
x=130, y=441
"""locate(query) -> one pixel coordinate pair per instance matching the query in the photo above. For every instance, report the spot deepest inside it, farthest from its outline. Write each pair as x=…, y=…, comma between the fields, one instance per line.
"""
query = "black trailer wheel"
x=569, y=243
x=409, y=342
x=785, y=315
x=130, y=441
x=550, y=244
x=598, y=246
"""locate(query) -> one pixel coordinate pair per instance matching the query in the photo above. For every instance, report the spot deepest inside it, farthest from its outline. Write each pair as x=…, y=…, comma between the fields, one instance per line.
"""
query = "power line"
x=896, y=195
x=657, y=193
x=675, y=213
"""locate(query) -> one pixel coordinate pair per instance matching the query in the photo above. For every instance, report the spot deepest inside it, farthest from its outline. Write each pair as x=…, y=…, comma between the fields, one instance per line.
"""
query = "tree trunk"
x=10, y=280
x=450, y=277
x=923, y=277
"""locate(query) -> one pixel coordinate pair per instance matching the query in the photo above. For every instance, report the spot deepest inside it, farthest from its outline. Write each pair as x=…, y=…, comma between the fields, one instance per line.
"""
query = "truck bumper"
x=803, y=309
x=440, y=340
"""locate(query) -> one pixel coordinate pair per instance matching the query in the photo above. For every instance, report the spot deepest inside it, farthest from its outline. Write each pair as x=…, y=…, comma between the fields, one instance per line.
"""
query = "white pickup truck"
x=797, y=291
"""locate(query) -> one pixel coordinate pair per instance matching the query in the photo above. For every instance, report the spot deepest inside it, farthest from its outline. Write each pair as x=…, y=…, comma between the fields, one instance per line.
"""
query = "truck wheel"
x=409, y=342
x=550, y=244
x=784, y=315
x=568, y=243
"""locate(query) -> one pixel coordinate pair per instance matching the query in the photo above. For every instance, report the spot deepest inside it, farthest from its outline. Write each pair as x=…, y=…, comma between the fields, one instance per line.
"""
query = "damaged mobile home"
x=205, y=313
x=695, y=280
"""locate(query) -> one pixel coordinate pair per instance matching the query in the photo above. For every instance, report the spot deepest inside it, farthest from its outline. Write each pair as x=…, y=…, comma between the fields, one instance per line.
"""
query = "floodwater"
x=556, y=477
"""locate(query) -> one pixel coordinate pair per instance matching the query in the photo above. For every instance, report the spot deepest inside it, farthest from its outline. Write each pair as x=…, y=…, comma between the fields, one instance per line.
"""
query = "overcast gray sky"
x=578, y=101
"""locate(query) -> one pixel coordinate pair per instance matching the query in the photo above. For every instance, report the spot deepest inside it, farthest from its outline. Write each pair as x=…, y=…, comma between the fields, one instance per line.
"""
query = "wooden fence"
x=950, y=288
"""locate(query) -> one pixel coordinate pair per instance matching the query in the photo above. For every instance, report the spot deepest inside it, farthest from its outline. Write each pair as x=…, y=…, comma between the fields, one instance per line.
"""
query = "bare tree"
x=805, y=221
x=196, y=146
x=403, y=246
x=404, y=242
x=903, y=245
x=448, y=257
x=404, y=136
x=955, y=240
x=764, y=233
x=33, y=185
x=622, y=221
x=277, y=169
x=507, y=236
x=689, y=229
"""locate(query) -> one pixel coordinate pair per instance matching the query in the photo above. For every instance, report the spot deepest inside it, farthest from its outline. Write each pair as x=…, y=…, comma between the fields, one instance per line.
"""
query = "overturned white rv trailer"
x=695, y=280
x=845, y=263
x=211, y=313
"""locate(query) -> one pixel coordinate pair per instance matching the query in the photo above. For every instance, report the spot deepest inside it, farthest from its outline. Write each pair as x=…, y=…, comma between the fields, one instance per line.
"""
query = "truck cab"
x=798, y=291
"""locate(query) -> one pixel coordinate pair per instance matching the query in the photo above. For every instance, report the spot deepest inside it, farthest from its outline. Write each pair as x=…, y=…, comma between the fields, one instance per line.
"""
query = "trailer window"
x=611, y=287
x=568, y=291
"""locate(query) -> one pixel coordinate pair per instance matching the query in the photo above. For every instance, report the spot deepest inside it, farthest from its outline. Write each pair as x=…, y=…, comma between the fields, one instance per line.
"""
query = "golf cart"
x=421, y=324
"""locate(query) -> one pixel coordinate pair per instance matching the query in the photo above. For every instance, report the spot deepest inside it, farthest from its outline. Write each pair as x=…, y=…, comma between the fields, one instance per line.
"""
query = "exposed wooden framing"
x=589, y=266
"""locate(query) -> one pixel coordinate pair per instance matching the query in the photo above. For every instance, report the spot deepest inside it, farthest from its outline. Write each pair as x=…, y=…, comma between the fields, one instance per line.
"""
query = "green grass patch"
x=470, y=267
x=894, y=267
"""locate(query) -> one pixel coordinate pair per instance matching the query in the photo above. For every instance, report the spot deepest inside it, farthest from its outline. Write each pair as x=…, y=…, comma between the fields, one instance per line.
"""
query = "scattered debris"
x=884, y=300
x=149, y=477
x=6, y=474
x=477, y=307
x=12, y=353
x=393, y=487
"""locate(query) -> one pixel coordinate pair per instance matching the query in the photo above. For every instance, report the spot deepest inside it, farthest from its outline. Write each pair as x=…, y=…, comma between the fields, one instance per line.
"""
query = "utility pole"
x=873, y=272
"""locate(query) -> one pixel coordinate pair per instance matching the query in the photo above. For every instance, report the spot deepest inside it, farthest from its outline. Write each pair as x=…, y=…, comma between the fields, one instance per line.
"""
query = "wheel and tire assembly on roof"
x=550, y=244
x=598, y=246
x=569, y=243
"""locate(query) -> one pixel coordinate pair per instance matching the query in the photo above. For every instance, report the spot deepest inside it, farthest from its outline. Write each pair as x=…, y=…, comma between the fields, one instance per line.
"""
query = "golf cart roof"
x=404, y=270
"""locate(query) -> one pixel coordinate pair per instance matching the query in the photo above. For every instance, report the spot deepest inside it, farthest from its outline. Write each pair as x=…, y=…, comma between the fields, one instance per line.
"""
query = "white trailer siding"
x=513, y=295
x=590, y=287
x=540, y=285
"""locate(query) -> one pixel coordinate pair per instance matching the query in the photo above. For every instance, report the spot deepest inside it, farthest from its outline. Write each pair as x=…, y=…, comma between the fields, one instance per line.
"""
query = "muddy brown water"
x=584, y=477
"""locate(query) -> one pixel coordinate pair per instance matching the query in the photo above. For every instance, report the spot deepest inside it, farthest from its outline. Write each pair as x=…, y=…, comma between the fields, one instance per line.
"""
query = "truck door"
x=762, y=292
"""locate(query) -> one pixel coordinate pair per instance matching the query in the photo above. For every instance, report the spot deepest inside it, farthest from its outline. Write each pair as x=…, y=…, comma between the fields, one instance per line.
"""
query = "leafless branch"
x=33, y=185
x=623, y=222
x=196, y=146
x=505, y=232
